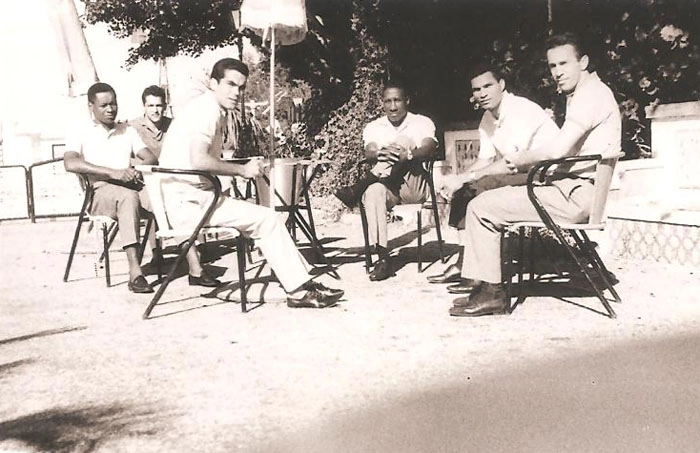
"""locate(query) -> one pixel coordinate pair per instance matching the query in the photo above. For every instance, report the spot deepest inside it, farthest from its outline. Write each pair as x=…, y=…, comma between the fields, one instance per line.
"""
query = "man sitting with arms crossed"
x=510, y=124
x=195, y=141
x=400, y=141
x=102, y=150
x=592, y=126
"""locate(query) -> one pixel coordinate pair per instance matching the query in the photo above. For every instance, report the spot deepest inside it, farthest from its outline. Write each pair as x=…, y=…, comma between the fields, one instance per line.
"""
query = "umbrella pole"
x=272, y=116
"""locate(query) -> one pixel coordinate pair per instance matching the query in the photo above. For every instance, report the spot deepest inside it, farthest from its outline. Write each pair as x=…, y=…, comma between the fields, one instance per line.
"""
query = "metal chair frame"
x=107, y=225
x=164, y=229
x=427, y=173
x=583, y=251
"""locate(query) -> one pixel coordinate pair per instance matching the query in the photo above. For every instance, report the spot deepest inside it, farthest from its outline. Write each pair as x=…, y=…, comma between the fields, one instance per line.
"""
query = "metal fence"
x=44, y=189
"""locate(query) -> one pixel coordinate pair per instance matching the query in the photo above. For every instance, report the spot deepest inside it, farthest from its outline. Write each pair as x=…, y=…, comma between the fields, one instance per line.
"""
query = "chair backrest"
x=154, y=188
x=603, y=178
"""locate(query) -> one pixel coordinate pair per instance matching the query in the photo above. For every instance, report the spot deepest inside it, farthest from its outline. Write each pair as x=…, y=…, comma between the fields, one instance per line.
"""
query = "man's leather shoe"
x=323, y=289
x=382, y=270
x=313, y=299
x=205, y=280
x=452, y=274
x=464, y=286
x=140, y=285
x=488, y=299
x=348, y=195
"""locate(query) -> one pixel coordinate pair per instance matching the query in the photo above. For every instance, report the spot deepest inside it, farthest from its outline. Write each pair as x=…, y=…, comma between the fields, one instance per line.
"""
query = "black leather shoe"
x=489, y=299
x=323, y=289
x=464, y=286
x=140, y=285
x=313, y=299
x=205, y=280
x=382, y=270
x=452, y=274
x=348, y=195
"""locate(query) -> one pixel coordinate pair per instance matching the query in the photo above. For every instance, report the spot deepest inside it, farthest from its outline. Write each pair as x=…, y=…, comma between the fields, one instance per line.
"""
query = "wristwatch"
x=409, y=155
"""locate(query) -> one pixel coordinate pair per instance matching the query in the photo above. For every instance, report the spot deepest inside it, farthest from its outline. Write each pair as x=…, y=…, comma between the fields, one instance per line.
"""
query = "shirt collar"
x=586, y=78
x=406, y=121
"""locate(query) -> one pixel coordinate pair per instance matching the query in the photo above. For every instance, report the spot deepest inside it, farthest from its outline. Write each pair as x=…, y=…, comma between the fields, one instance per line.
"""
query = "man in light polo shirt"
x=195, y=141
x=399, y=141
x=102, y=150
x=592, y=126
x=153, y=124
x=510, y=124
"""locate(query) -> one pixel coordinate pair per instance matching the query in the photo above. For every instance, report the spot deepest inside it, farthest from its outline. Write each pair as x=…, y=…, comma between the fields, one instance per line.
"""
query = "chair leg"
x=419, y=223
x=506, y=267
x=112, y=231
x=159, y=259
x=241, y=247
x=438, y=231
x=583, y=267
x=142, y=247
x=365, y=232
x=161, y=289
x=71, y=254
x=106, y=244
x=602, y=269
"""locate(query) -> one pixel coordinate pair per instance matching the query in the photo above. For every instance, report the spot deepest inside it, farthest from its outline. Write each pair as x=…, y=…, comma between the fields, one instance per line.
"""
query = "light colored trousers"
x=378, y=199
x=566, y=200
x=186, y=204
x=122, y=204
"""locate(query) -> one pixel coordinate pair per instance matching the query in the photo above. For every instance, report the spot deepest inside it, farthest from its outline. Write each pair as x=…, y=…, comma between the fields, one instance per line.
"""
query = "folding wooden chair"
x=409, y=209
x=107, y=225
x=580, y=248
x=153, y=178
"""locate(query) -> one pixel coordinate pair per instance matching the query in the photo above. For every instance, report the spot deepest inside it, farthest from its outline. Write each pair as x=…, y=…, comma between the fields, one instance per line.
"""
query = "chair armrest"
x=208, y=176
x=540, y=169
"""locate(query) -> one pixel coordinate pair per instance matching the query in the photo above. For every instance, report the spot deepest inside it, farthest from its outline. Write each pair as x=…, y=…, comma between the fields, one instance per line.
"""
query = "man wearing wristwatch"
x=510, y=124
x=399, y=141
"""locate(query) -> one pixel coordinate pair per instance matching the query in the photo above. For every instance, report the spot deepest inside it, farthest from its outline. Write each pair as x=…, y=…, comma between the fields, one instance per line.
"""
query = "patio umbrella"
x=279, y=22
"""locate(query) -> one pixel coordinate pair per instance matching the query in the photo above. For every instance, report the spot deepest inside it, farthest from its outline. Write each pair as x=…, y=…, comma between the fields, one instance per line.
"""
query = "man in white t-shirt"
x=195, y=142
x=399, y=141
x=510, y=124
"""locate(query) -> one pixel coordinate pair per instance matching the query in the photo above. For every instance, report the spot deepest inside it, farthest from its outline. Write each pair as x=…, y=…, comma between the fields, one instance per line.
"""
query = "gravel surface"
x=386, y=370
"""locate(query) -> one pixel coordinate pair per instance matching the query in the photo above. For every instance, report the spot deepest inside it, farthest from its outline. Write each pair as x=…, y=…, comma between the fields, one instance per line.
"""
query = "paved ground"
x=385, y=371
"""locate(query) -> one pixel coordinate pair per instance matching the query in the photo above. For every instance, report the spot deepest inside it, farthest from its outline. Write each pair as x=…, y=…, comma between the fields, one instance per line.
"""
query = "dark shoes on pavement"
x=487, y=299
x=463, y=286
x=317, y=295
x=205, y=280
x=452, y=274
x=382, y=270
x=140, y=285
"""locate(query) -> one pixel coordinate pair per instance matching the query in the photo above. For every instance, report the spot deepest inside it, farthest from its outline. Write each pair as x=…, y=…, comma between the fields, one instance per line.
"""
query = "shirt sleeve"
x=584, y=109
x=137, y=143
x=369, y=134
x=426, y=129
x=486, y=148
x=74, y=141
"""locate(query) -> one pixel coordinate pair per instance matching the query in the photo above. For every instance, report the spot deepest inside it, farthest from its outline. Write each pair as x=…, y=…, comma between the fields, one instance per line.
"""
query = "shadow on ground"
x=78, y=429
x=642, y=397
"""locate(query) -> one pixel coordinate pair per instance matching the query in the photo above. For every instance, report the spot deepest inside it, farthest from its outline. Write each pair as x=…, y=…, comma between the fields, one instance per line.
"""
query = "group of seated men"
x=515, y=133
x=490, y=194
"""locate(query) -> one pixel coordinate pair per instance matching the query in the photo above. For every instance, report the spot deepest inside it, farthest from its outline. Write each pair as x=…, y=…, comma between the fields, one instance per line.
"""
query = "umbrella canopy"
x=279, y=22
x=286, y=17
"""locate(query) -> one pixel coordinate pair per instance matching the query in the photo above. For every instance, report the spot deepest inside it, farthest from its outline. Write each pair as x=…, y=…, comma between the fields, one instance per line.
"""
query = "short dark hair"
x=225, y=64
x=99, y=87
x=153, y=90
x=396, y=84
x=563, y=39
x=483, y=67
